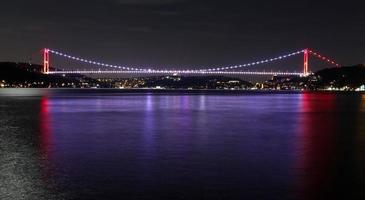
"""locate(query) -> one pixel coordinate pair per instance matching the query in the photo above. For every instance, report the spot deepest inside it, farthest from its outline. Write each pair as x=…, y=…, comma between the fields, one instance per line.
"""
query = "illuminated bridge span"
x=178, y=72
x=232, y=70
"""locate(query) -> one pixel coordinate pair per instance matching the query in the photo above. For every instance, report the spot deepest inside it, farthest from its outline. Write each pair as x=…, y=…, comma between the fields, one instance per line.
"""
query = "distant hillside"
x=29, y=75
x=351, y=76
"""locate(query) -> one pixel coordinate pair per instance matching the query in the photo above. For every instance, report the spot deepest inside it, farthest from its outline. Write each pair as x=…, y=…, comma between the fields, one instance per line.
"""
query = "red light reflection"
x=46, y=144
x=45, y=132
x=316, y=149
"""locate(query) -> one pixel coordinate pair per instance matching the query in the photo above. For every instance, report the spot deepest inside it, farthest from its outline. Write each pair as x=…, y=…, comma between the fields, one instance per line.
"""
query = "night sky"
x=181, y=32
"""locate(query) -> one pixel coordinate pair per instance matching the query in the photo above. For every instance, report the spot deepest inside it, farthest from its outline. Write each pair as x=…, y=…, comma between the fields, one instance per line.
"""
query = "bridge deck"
x=268, y=73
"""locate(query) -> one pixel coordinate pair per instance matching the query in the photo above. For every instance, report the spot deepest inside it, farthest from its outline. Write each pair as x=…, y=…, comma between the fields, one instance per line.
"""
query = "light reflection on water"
x=257, y=146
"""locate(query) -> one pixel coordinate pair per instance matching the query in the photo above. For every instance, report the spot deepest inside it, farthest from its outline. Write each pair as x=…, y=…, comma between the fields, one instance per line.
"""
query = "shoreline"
x=145, y=91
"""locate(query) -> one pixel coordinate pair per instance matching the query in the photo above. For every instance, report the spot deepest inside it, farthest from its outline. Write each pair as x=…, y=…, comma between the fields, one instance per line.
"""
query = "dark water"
x=182, y=146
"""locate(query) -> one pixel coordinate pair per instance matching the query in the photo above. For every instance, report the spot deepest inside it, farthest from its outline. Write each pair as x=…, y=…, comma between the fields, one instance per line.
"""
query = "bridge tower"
x=306, y=62
x=45, y=61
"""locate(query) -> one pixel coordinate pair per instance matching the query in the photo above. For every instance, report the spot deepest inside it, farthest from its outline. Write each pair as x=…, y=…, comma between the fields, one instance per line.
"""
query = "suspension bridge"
x=229, y=70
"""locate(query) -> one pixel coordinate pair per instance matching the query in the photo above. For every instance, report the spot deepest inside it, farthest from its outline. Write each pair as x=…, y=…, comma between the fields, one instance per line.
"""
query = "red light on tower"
x=45, y=61
x=306, y=62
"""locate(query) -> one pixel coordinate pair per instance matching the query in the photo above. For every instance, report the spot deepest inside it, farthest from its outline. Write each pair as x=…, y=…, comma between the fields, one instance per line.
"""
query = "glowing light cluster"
x=326, y=59
x=179, y=72
x=183, y=70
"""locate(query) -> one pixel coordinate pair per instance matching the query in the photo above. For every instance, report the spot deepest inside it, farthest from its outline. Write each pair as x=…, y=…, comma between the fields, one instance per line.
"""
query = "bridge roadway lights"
x=181, y=72
x=219, y=70
x=125, y=68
